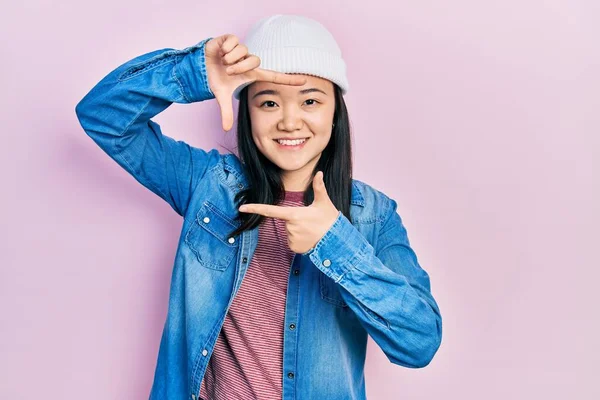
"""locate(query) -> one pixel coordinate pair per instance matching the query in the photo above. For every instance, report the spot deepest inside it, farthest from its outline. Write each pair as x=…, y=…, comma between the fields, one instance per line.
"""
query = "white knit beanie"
x=296, y=44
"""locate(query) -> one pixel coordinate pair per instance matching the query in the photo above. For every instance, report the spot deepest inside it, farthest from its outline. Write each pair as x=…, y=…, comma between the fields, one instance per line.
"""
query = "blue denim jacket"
x=362, y=277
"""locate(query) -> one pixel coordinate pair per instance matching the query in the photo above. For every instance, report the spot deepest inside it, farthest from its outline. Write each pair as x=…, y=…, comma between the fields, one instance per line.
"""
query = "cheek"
x=321, y=128
x=260, y=136
x=320, y=121
x=258, y=127
x=261, y=122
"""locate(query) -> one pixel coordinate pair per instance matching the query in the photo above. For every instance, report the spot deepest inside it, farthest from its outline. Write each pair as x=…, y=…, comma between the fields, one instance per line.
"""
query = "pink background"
x=487, y=113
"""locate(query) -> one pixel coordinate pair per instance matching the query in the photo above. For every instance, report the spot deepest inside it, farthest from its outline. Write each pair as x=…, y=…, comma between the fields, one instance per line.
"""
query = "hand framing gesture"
x=305, y=225
x=229, y=65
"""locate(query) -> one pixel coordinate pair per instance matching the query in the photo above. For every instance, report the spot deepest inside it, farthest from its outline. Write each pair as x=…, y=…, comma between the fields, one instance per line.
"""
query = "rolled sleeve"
x=340, y=249
x=192, y=75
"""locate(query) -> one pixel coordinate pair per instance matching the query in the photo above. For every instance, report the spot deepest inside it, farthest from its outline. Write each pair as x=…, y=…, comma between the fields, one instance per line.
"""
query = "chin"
x=289, y=167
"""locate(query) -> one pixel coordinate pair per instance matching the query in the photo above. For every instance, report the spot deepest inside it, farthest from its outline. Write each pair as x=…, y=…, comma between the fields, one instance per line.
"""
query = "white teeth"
x=291, y=142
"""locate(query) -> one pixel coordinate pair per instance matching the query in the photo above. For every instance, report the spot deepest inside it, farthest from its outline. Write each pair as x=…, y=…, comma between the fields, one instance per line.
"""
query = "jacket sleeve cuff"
x=341, y=249
x=192, y=75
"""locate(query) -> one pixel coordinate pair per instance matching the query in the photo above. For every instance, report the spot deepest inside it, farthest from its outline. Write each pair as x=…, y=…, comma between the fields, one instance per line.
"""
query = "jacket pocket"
x=330, y=291
x=208, y=237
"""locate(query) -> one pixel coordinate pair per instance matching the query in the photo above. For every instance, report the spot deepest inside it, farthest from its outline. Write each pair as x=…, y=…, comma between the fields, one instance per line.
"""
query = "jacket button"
x=206, y=220
x=241, y=186
x=327, y=263
x=245, y=259
x=204, y=352
x=292, y=326
x=296, y=272
x=231, y=240
x=291, y=375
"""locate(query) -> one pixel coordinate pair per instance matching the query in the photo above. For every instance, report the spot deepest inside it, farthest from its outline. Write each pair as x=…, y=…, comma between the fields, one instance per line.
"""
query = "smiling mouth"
x=291, y=144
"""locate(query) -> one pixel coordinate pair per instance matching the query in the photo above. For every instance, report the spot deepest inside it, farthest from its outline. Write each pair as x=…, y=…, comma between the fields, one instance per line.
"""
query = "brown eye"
x=268, y=101
x=313, y=101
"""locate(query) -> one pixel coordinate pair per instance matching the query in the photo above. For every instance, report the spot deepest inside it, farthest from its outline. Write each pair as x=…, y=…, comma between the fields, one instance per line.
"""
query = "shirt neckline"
x=294, y=195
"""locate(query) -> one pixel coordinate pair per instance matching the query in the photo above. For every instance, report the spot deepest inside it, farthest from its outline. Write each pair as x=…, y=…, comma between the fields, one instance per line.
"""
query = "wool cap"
x=296, y=44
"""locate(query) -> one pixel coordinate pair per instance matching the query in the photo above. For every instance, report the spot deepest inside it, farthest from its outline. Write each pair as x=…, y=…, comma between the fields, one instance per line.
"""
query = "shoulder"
x=377, y=205
x=370, y=204
x=227, y=166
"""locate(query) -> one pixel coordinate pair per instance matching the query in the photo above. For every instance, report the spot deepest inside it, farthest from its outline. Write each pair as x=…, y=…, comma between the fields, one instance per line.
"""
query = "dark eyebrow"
x=276, y=93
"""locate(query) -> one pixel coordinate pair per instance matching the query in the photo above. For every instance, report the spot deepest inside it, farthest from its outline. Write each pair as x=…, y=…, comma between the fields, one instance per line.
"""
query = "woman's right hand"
x=229, y=65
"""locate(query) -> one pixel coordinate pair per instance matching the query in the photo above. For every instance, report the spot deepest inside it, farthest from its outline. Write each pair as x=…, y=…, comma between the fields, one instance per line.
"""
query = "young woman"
x=285, y=263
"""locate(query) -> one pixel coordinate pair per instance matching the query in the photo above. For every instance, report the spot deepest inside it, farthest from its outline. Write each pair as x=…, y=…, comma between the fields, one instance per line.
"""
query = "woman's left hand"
x=305, y=225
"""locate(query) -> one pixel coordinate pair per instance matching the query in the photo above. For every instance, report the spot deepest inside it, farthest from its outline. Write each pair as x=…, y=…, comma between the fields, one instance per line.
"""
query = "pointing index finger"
x=268, y=210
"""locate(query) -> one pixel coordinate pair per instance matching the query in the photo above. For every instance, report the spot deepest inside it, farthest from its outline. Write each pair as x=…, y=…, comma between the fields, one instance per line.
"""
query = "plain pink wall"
x=486, y=112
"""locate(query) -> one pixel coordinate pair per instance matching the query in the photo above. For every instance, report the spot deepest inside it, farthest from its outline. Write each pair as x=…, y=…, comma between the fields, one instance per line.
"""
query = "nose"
x=290, y=122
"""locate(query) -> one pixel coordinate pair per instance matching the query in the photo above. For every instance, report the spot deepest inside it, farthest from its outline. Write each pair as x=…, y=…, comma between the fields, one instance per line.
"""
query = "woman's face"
x=280, y=111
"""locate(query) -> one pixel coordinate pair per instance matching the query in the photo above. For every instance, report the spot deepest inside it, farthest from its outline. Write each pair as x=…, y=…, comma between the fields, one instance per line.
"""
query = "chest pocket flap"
x=208, y=237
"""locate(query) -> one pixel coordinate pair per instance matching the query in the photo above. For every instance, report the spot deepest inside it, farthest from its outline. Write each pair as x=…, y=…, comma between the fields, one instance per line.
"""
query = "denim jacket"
x=361, y=278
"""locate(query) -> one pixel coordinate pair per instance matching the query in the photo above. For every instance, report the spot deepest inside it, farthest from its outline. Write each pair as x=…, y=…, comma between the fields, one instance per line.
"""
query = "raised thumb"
x=226, y=106
x=319, y=187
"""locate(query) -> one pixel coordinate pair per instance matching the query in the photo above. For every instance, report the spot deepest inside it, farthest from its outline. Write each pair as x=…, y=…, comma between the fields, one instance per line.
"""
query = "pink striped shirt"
x=247, y=360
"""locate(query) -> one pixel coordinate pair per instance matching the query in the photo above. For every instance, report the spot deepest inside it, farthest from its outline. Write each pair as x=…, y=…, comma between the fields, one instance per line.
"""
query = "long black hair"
x=265, y=185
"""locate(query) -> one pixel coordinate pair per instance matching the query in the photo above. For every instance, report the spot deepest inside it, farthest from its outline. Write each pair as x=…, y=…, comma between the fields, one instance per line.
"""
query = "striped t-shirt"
x=247, y=360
